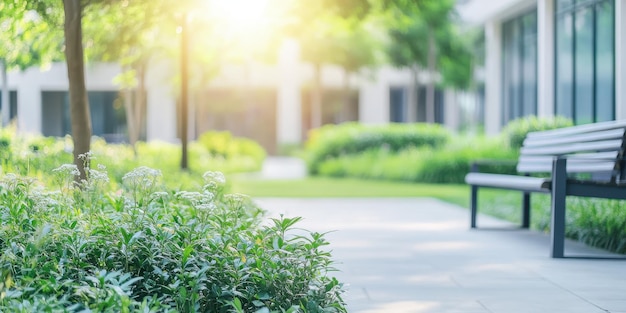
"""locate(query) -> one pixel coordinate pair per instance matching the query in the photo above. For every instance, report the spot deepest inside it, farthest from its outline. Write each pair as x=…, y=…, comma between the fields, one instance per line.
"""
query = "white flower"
x=159, y=194
x=67, y=169
x=200, y=200
x=237, y=197
x=216, y=177
x=142, y=176
x=96, y=176
x=86, y=156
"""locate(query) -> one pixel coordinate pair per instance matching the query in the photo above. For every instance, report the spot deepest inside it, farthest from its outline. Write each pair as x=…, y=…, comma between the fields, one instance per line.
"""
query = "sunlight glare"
x=241, y=16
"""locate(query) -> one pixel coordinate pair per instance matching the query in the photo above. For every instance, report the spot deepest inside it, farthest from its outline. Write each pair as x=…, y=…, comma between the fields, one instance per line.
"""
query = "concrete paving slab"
x=419, y=256
x=279, y=167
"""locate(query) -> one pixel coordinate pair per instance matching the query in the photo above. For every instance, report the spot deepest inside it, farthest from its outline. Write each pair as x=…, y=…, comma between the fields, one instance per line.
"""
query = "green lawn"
x=500, y=203
x=331, y=187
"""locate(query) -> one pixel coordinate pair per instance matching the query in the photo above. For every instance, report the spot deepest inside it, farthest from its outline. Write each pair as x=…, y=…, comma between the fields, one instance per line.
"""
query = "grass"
x=499, y=203
x=320, y=187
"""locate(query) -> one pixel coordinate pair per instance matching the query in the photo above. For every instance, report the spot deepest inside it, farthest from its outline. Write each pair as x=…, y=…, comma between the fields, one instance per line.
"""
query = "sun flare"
x=241, y=16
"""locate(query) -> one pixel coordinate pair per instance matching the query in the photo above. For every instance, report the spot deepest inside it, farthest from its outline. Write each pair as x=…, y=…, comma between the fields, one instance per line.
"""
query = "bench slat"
x=571, y=168
x=564, y=140
x=523, y=183
x=605, y=145
x=567, y=131
x=591, y=157
x=576, y=163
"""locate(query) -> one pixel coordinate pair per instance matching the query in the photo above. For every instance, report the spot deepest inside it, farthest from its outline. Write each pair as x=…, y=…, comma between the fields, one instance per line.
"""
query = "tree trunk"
x=129, y=103
x=415, y=70
x=79, y=103
x=345, y=104
x=249, y=105
x=430, y=87
x=316, y=97
x=134, y=103
x=140, y=101
x=6, y=101
x=184, y=77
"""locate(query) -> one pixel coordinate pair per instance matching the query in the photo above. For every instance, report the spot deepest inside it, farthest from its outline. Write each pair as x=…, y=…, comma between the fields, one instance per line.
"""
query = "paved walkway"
x=418, y=256
x=279, y=167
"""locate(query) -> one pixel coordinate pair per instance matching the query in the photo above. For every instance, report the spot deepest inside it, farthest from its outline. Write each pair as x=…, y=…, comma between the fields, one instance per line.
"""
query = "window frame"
x=572, y=10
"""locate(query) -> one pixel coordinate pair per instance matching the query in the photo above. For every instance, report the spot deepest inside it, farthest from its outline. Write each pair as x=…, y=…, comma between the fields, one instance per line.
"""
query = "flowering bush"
x=86, y=248
x=37, y=156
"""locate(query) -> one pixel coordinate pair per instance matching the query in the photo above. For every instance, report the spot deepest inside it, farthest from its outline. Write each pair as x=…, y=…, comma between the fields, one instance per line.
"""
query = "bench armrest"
x=475, y=165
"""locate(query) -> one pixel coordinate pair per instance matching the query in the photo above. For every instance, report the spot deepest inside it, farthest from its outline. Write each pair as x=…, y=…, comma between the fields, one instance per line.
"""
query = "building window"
x=585, y=60
x=12, y=105
x=398, y=105
x=421, y=105
x=519, y=68
x=108, y=117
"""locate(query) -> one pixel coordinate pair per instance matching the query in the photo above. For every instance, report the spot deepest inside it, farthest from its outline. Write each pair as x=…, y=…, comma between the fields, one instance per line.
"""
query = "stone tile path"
x=419, y=256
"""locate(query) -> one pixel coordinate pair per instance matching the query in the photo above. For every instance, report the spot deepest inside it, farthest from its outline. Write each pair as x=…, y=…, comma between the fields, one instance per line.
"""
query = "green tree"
x=128, y=33
x=28, y=42
x=406, y=50
x=79, y=104
x=356, y=48
x=456, y=58
x=318, y=29
x=424, y=36
x=70, y=14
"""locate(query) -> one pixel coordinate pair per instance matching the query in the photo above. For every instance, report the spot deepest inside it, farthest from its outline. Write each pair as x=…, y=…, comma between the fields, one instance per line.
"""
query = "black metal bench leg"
x=557, y=229
x=473, y=206
x=526, y=210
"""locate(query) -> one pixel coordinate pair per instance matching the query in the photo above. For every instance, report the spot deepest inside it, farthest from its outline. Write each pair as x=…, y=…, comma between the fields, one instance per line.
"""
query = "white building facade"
x=552, y=57
x=268, y=103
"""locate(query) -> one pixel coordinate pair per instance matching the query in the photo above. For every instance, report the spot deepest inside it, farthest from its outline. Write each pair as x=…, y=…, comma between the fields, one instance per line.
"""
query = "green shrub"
x=515, y=131
x=448, y=164
x=223, y=144
x=37, y=155
x=332, y=141
x=599, y=223
x=144, y=249
x=452, y=163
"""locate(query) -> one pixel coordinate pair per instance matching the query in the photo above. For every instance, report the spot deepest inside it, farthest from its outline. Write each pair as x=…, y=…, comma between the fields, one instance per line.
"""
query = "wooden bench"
x=585, y=160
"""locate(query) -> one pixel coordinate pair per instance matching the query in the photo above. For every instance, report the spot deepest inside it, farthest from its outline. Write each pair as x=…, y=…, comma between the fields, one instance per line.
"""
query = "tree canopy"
x=132, y=32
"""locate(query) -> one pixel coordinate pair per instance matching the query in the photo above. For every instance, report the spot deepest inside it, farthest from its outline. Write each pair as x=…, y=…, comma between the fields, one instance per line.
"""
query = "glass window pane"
x=515, y=72
x=564, y=65
x=506, y=69
x=510, y=72
x=54, y=118
x=605, y=87
x=529, y=66
x=583, y=68
x=397, y=101
x=13, y=105
x=519, y=68
x=96, y=108
x=563, y=4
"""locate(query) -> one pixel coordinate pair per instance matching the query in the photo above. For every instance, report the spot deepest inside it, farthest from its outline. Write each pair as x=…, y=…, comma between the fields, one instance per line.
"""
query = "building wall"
x=289, y=78
x=492, y=17
x=30, y=83
x=620, y=61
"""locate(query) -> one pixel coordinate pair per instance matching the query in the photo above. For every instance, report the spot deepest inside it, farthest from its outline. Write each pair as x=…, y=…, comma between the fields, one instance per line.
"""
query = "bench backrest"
x=590, y=148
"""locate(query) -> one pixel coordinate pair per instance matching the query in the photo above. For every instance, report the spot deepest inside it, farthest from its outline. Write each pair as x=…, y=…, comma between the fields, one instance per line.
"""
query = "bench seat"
x=501, y=181
x=586, y=160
